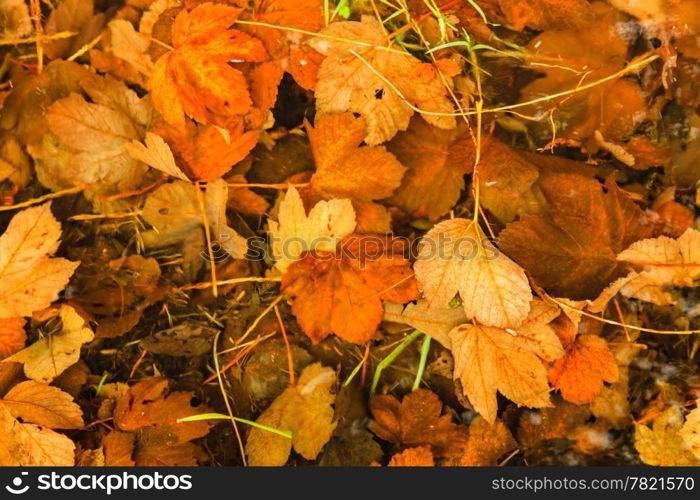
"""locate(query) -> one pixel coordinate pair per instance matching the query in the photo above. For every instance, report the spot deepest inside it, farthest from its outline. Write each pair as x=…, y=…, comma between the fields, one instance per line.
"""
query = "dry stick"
x=33, y=39
x=129, y=194
x=622, y=319
x=40, y=199
x=617, y=323
x=226, y=401
x=138, y=363
x=82, y=50
x=266, y=186
x=35, y=10
x=207, y=234
x=290, y=359
x=258, y=319
x=232, y=281
x=235, y=360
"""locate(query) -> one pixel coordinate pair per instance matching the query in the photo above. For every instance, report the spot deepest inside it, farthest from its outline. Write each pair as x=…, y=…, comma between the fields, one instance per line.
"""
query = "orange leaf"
x=420, y=456
x=196, y=79
x=581, y=372
x=12, y=336
x=342, y=293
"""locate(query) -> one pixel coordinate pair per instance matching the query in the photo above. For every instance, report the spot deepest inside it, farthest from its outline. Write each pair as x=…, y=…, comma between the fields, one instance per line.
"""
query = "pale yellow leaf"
x=31, y=279
x=490, y=360
x=455, y=257
x=662, y=444
x=435, y=322
x=130, y=45
x=295, y=232
x=48, y=357
x=157, y=154
x=690, y=432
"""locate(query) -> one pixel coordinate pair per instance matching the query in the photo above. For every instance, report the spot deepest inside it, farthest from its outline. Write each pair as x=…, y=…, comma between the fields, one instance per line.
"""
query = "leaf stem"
x=391, y=357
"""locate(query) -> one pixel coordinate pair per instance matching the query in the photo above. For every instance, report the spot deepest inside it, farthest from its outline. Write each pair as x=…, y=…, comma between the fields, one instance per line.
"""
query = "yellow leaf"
x=456, y=257
x=435, y=322
x=304, y=409
x=43, y=405
x=489, y=359
x=30, y=445
x=662, y=444
x=157, y=154
x=295, y=232
x=48, y=357
x=31, y=279
x=690, y=432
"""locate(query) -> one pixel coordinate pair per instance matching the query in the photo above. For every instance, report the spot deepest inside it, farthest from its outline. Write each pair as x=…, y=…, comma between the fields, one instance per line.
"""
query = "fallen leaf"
x=43, y=405
x=662, y=444
x=561, y=421
x=690, y=432
x=420, y=456
x=546, y=14
x=571, y=250
x=487, y=443
x=12, y=336
x=351, y=82
x=343, y=292
x=295, y=232
x=581, y=372
x=456, y=257
x=48, y=357
x=306, y=410
x=195, y=79
x=157, y=154
x=417, y=421
x=31, y=445
x=368, y=172
x=31, y=277
x=490, y=360
x=436, y=161
x=435, y=322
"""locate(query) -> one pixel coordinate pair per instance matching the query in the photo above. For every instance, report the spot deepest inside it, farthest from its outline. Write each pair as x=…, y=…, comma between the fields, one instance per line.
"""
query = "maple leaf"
x=43, y=405
x=346, y=170
x=420, y=456
x=436, y=161
x=31, y=445
x=434, y=322
x=486, y=443
x=48, y=357
x=306, y=410
x=31, y=278
x=581, y=372
x=662, y=444
x=196, y=79
x=295, y=232
x=351, y=82
x=489, y=359
x=571, y=250
x=343, y=292
x=456, y=257
x=417, y=421
x=12, y=336
x=690, y=432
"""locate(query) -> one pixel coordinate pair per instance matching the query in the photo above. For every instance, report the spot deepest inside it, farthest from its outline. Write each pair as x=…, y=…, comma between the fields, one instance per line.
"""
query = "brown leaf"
x=417, y=421
x=486, y=444
x=571, y=250
x=420, y=456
